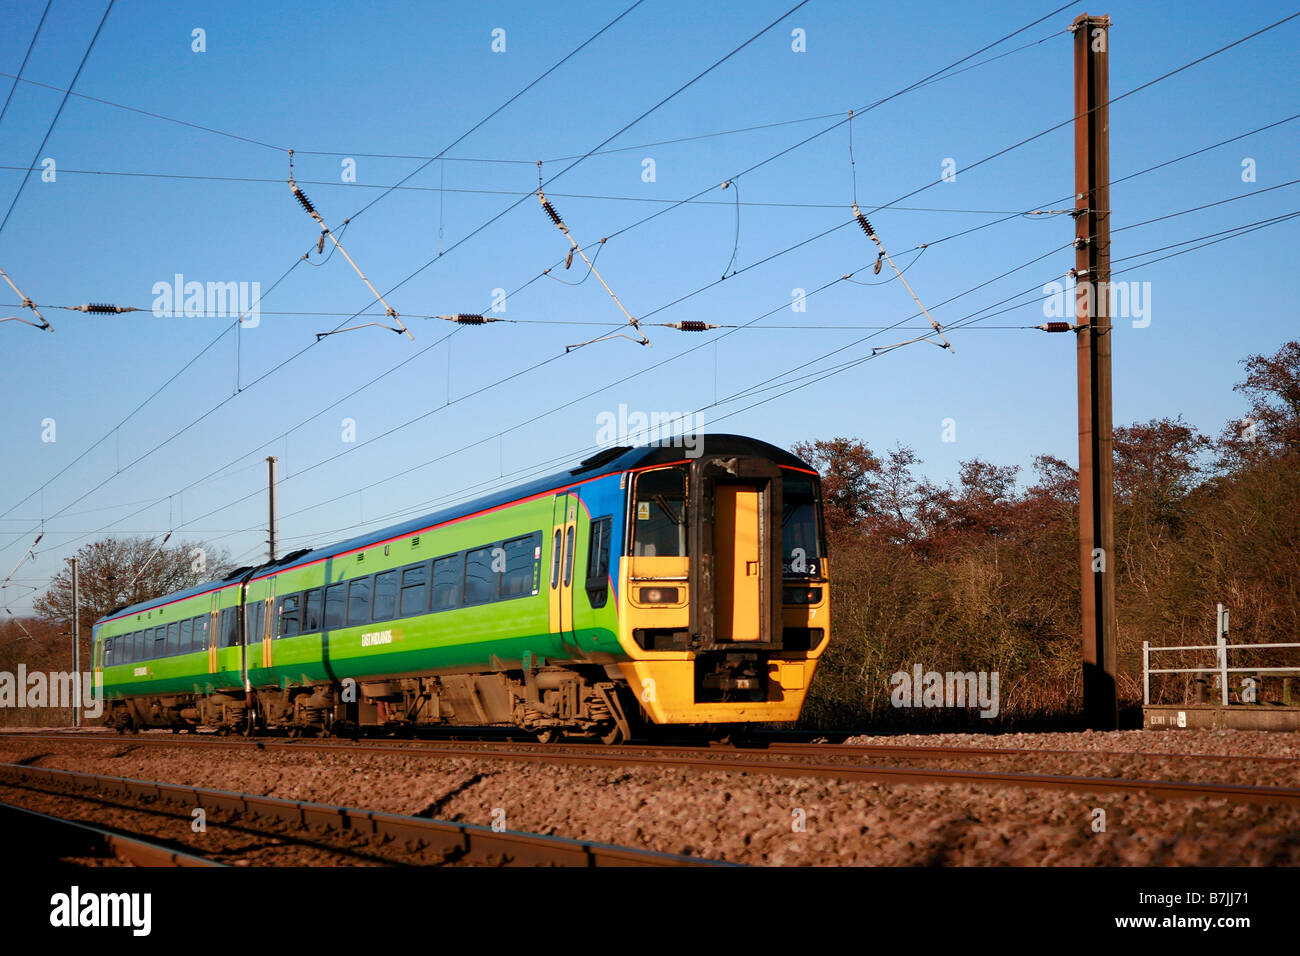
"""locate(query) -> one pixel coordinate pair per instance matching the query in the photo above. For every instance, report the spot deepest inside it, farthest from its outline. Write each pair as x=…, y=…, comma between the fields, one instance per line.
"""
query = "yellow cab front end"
x=724, y=588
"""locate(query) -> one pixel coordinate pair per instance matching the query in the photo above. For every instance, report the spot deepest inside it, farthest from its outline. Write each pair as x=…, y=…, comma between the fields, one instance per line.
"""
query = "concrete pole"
x=272, y=539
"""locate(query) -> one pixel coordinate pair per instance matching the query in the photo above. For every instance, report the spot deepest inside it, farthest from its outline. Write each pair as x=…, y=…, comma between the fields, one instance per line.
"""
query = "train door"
x=738, y=538
x=214, y=631
x=268, y=623
x=564, y=530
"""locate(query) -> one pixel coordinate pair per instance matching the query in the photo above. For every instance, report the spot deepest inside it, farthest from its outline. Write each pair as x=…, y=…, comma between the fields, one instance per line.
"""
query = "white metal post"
x=76, y=643
x=1146, y=673
x=1221, y=638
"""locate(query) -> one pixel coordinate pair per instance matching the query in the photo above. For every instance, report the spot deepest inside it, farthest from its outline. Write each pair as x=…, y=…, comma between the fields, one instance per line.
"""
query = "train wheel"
x=615, y=736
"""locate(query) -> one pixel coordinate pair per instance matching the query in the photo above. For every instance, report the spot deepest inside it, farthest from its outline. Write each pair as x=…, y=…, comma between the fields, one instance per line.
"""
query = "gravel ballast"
x=757, y=818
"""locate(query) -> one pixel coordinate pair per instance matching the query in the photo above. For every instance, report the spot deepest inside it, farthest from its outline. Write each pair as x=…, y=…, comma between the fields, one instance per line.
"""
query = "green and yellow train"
x=643, y=587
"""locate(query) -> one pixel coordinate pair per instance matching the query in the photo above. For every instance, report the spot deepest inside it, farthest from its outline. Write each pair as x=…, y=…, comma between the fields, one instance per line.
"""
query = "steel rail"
x=76, y=838
x=417, y=745
x=904, y=750
x=871, y=773
x=464, y=841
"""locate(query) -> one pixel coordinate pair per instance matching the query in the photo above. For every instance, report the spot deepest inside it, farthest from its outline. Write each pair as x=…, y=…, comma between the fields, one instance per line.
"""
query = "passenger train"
x=641, y=588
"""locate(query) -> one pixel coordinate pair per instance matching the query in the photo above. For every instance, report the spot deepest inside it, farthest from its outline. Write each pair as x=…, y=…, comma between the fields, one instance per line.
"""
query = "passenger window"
x=311, y=611
x=415, y=582
x=446, y=583
x=288, y=615
x=518, y=578
x=159, y=642
x=201, y=633
x=253, y=621
x=659, y=520
x=336, y=596
x=108, y=652
x=386, y=596
x=229, y=627
x=359, y=601
x=174, y=638
x=598, y=562
x=480, y=579
x=187, y=634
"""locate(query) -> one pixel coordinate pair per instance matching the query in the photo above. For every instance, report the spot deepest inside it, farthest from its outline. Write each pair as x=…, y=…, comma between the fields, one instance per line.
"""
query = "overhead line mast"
x=1092, y=312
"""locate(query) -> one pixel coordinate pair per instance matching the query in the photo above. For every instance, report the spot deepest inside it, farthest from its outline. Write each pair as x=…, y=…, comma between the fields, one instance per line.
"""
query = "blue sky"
x=335, y=82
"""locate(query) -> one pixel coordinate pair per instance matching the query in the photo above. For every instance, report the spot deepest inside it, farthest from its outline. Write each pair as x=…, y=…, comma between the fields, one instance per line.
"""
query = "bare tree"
x=119, y=571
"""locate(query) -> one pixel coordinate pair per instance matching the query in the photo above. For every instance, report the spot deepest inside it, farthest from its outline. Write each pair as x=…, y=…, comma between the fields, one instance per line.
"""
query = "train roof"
x=610, y=461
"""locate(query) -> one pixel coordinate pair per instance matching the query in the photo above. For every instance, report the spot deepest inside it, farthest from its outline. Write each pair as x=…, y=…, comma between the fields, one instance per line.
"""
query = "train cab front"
x=726, y=589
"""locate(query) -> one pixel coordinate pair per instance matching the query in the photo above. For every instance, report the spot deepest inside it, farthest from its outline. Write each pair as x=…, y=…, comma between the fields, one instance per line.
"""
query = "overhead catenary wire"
x=871, y=234
x=325, y=230
x=22, y=68
x=478, y=488
x=969, y=167
x=1108, y=103
x=362, y=154
x=295, y=355
x=24, y=303
x=538, y=365
x=619, y=132
x=600, y=197
x=232, y=326
x=57, y=113
x=919, y=250
x=21, y=561
x=811, y=378
x=1232, y=232
x=783, y=152
x=423, y=416
x=591, y=267
x=496, y=384
x=896, y=324
x=478, y=319
x=823, y=374
x=1039, y=295
x=469, y=236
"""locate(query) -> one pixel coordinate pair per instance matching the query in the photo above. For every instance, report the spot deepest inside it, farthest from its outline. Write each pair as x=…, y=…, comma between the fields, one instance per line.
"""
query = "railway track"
x=446, y=841
x=779, y=759
x=834, y=751
x=45, y=835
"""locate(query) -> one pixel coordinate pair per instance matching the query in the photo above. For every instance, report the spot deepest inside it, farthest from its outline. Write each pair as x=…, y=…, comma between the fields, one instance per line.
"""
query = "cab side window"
x=659, y=514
